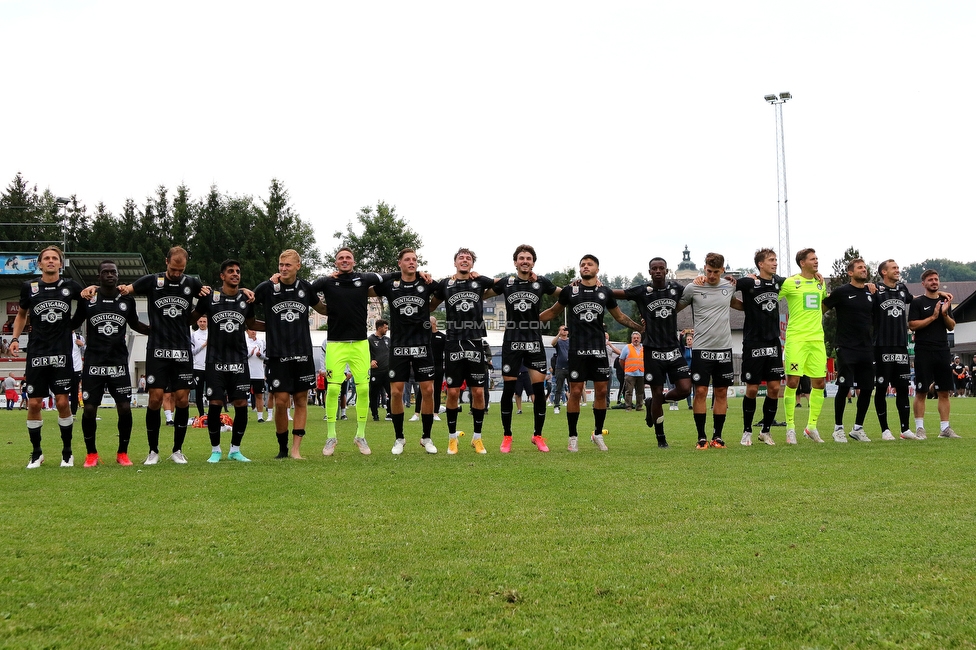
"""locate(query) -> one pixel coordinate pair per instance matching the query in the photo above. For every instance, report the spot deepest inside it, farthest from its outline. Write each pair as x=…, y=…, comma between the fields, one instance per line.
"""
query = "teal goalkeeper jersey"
x=804, y=298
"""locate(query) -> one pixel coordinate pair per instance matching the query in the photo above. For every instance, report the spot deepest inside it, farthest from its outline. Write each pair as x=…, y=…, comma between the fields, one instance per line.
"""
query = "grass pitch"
x=856, y=545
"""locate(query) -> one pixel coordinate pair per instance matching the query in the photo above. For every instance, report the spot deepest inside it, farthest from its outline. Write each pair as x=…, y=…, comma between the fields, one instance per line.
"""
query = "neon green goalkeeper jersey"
x=804, y=298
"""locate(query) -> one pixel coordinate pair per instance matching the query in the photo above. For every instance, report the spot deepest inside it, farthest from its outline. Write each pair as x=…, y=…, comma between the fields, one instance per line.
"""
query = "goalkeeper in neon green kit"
x=804, y=352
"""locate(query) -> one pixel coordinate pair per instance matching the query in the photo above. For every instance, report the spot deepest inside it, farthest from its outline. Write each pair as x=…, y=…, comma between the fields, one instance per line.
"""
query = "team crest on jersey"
x=243, y=304
x=601, y=295
x=819, y=286
x=776, y=286
x=869, y=297
x=511, y=280
x=160, y=282
x=450, y=282
x=396, y=284
x=798, y=283
x=34, y=288
x=357, y=283
x=94, y=299
x=674, y=292
x=420, y=289
x=575, y=289
x=65, y=292
x=301, y=293
x=536, y=286
x=725, y=292
x=186, y=291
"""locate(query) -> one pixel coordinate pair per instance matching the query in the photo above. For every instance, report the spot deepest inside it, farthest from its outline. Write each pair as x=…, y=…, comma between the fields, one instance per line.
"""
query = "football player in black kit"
x=891, y=349
x=854, y=305
x=586, y=304
x=291, y=370
x=658, y=304
x=409, y=297
x=523, y=341
x=464, y=354
x=228, y=314
x=930, y=317
x=762, y=352
x=106, y=316
x=48, y=303
x=169, y=364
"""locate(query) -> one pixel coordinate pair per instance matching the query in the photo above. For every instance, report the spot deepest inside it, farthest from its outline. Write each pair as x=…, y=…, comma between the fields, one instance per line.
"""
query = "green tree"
x=77, y=227
x=278, y=227
x=184, y=216
x=209, y=241
x=104, y=230
x=949, y=271
x=20, y=206
x=384, y=234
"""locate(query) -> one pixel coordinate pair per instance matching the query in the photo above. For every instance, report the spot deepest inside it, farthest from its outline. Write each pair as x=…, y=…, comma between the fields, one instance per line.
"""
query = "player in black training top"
x=522, y=345
x=47, y=302
x=762, y=352
x=854, y=305
x=409, y=297
x=586, y=304
x=346, y=294
x=228, y=314
x=930, y=317
x=663, y=358
x=169, y=363
x=464, y=352
x=106, y=317
x=291, y=370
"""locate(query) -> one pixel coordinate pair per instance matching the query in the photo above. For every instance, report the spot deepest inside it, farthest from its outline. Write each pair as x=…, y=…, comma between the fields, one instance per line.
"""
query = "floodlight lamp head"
x=770, y=98
x=62, y=201
x=785, y=96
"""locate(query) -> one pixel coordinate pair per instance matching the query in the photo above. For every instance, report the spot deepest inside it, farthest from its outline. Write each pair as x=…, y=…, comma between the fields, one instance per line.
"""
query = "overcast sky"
x=623, y=129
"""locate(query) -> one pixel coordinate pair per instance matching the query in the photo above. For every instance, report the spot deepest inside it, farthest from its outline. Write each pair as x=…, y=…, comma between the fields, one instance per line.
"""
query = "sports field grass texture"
x=812, y=546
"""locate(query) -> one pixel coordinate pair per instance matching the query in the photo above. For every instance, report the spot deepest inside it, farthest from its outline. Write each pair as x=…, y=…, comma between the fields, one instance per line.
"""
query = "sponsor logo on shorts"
x=106, y=371
x=175, y=355
x=525, y=346
x=410, y=351
x=894, y=358
x=49, y=361
x=764, y=352
x=229, y=367
x=715, y=355
x=665, y=356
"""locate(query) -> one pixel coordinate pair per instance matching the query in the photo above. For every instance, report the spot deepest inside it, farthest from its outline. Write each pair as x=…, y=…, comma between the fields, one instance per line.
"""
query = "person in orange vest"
x=632, y=358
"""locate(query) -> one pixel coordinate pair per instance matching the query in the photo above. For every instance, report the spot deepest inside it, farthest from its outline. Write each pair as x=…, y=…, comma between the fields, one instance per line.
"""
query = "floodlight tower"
x=783, y=253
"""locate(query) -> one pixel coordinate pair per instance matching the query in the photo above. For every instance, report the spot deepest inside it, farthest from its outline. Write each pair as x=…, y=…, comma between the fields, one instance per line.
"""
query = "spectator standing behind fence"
x=561, y=368
x=632, y=358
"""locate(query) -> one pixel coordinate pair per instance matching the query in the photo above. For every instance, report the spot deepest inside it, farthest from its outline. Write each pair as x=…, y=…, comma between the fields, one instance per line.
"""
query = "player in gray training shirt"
x=711, y=358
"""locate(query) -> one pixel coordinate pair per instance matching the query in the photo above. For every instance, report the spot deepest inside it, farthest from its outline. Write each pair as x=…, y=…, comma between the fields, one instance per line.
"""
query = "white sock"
x=943, y=425
x=216, y=449
x=919, y=423
x=234, y=449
